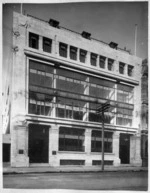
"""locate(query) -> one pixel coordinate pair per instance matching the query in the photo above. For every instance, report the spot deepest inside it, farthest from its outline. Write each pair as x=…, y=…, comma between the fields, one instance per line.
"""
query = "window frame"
x=93, y=59
x=63, y=49
x=83, y=54
x=35, y=37
x=73, y=53
x=121, y=67
x=110, y=64
x=48, y=40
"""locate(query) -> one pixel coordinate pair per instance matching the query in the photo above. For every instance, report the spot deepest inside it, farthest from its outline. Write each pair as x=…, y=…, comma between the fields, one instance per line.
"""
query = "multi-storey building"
x=144, y=113
x=58, y=79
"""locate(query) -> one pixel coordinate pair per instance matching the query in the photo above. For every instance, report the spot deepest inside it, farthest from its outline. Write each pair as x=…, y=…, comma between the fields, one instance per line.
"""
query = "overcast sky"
x=106, y=21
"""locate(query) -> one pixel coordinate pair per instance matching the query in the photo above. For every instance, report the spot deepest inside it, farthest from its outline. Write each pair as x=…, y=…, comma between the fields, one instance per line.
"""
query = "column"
x=86, y=106
x=19, y=146
x=88, y=59
x=87, y=144
x=68, y=51
x=98, y=61
x=106, y=63
x=135, y=150
x=41, y=43
x=125, y=69
x=53, y=145
x=54, y=97
x=78, y=55
x=116, y=136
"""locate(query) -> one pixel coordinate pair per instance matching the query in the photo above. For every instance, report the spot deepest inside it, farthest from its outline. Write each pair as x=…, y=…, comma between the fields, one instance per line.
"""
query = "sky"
x=106, y=21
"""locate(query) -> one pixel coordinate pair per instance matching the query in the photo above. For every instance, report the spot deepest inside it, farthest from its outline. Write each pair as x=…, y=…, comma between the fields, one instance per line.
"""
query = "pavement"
x=6, y=169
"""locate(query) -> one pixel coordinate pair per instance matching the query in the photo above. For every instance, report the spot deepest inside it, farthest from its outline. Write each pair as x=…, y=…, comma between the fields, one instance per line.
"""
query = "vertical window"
x=130, y=70
x=73, y=53
x=102, y=60
x=71, y=139
x=82, y=55
x=47, y=45
x=33, y=40
x=63, y=50
x=110, y=64
x=121, y=67
x=93, y=59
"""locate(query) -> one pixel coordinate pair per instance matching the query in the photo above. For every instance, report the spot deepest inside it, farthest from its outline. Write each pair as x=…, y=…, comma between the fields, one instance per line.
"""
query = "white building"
x=58, y=79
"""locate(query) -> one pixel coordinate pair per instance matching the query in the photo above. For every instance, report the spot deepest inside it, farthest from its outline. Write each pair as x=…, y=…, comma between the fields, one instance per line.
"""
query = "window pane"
x=47, y=43
x=63, y=50
x=33, y=40
x=71, y=139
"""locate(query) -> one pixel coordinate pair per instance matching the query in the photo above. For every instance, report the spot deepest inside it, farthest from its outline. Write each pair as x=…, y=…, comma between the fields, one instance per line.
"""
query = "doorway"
x=124, y=149
x=38, y=143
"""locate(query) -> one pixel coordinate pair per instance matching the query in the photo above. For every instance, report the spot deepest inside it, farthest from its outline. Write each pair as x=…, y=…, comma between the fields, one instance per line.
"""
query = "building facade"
x=58, y=80
x=144, y=114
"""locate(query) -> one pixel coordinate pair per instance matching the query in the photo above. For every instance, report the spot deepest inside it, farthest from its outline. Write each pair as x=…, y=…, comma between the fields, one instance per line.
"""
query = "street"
x=79, y=181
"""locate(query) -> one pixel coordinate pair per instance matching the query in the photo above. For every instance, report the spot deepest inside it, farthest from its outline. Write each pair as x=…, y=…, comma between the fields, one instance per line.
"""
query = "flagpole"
x=135, y=39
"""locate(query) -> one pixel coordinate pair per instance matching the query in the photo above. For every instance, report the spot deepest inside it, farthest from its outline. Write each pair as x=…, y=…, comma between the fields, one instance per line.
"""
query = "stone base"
x=20, y=161
x=136, y=162
x=116, y=162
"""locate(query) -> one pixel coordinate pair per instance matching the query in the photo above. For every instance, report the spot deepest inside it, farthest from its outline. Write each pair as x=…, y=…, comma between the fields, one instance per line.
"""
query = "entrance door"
x=38, y=143
x=124, y=151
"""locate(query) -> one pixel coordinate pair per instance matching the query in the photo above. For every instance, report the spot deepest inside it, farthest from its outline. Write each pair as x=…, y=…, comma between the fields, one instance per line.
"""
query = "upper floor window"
x=110, y=64
x=33, y=40
x=73, y=53
x=102, y=60
x=47, y=45
x=63, y=50
x=82, y=55
x=93, y=59
x=130, y=70
x=121, y=67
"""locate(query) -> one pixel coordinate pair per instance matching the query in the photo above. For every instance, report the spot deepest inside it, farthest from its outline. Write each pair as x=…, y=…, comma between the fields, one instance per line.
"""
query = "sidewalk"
x=69, y=169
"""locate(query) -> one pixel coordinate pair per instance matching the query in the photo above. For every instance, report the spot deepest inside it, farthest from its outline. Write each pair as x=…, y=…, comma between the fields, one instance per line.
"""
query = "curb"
x=62, y=171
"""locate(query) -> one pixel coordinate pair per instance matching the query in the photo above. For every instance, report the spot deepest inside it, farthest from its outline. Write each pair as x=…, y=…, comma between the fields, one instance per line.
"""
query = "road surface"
x=79, y=181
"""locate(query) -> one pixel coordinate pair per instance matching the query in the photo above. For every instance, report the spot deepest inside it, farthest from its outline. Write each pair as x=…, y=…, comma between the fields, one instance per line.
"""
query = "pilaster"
x=116, y=137
x=53, y=145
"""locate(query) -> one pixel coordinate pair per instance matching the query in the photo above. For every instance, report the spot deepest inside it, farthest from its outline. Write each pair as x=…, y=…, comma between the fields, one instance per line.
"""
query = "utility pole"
x=101, y=109
x=102, y=140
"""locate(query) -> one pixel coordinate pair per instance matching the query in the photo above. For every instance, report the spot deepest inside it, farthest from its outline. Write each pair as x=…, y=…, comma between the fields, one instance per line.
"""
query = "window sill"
x=72, y=152
x=99, y=153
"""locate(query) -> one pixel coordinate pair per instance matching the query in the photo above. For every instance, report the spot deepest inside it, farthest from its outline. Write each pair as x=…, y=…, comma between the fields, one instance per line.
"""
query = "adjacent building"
x=144, y=113
x=58, y=80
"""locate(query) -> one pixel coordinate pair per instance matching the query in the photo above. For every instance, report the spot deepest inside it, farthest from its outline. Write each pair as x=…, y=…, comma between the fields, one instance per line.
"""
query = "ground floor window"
x=71, y=139
x=96, y=143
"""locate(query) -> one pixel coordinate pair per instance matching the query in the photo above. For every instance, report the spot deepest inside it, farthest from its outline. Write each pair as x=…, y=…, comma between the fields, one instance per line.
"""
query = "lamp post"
x=101, y=109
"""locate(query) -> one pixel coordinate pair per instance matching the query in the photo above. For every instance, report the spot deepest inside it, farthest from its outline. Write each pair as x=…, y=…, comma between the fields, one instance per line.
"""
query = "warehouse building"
x=58, y=80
